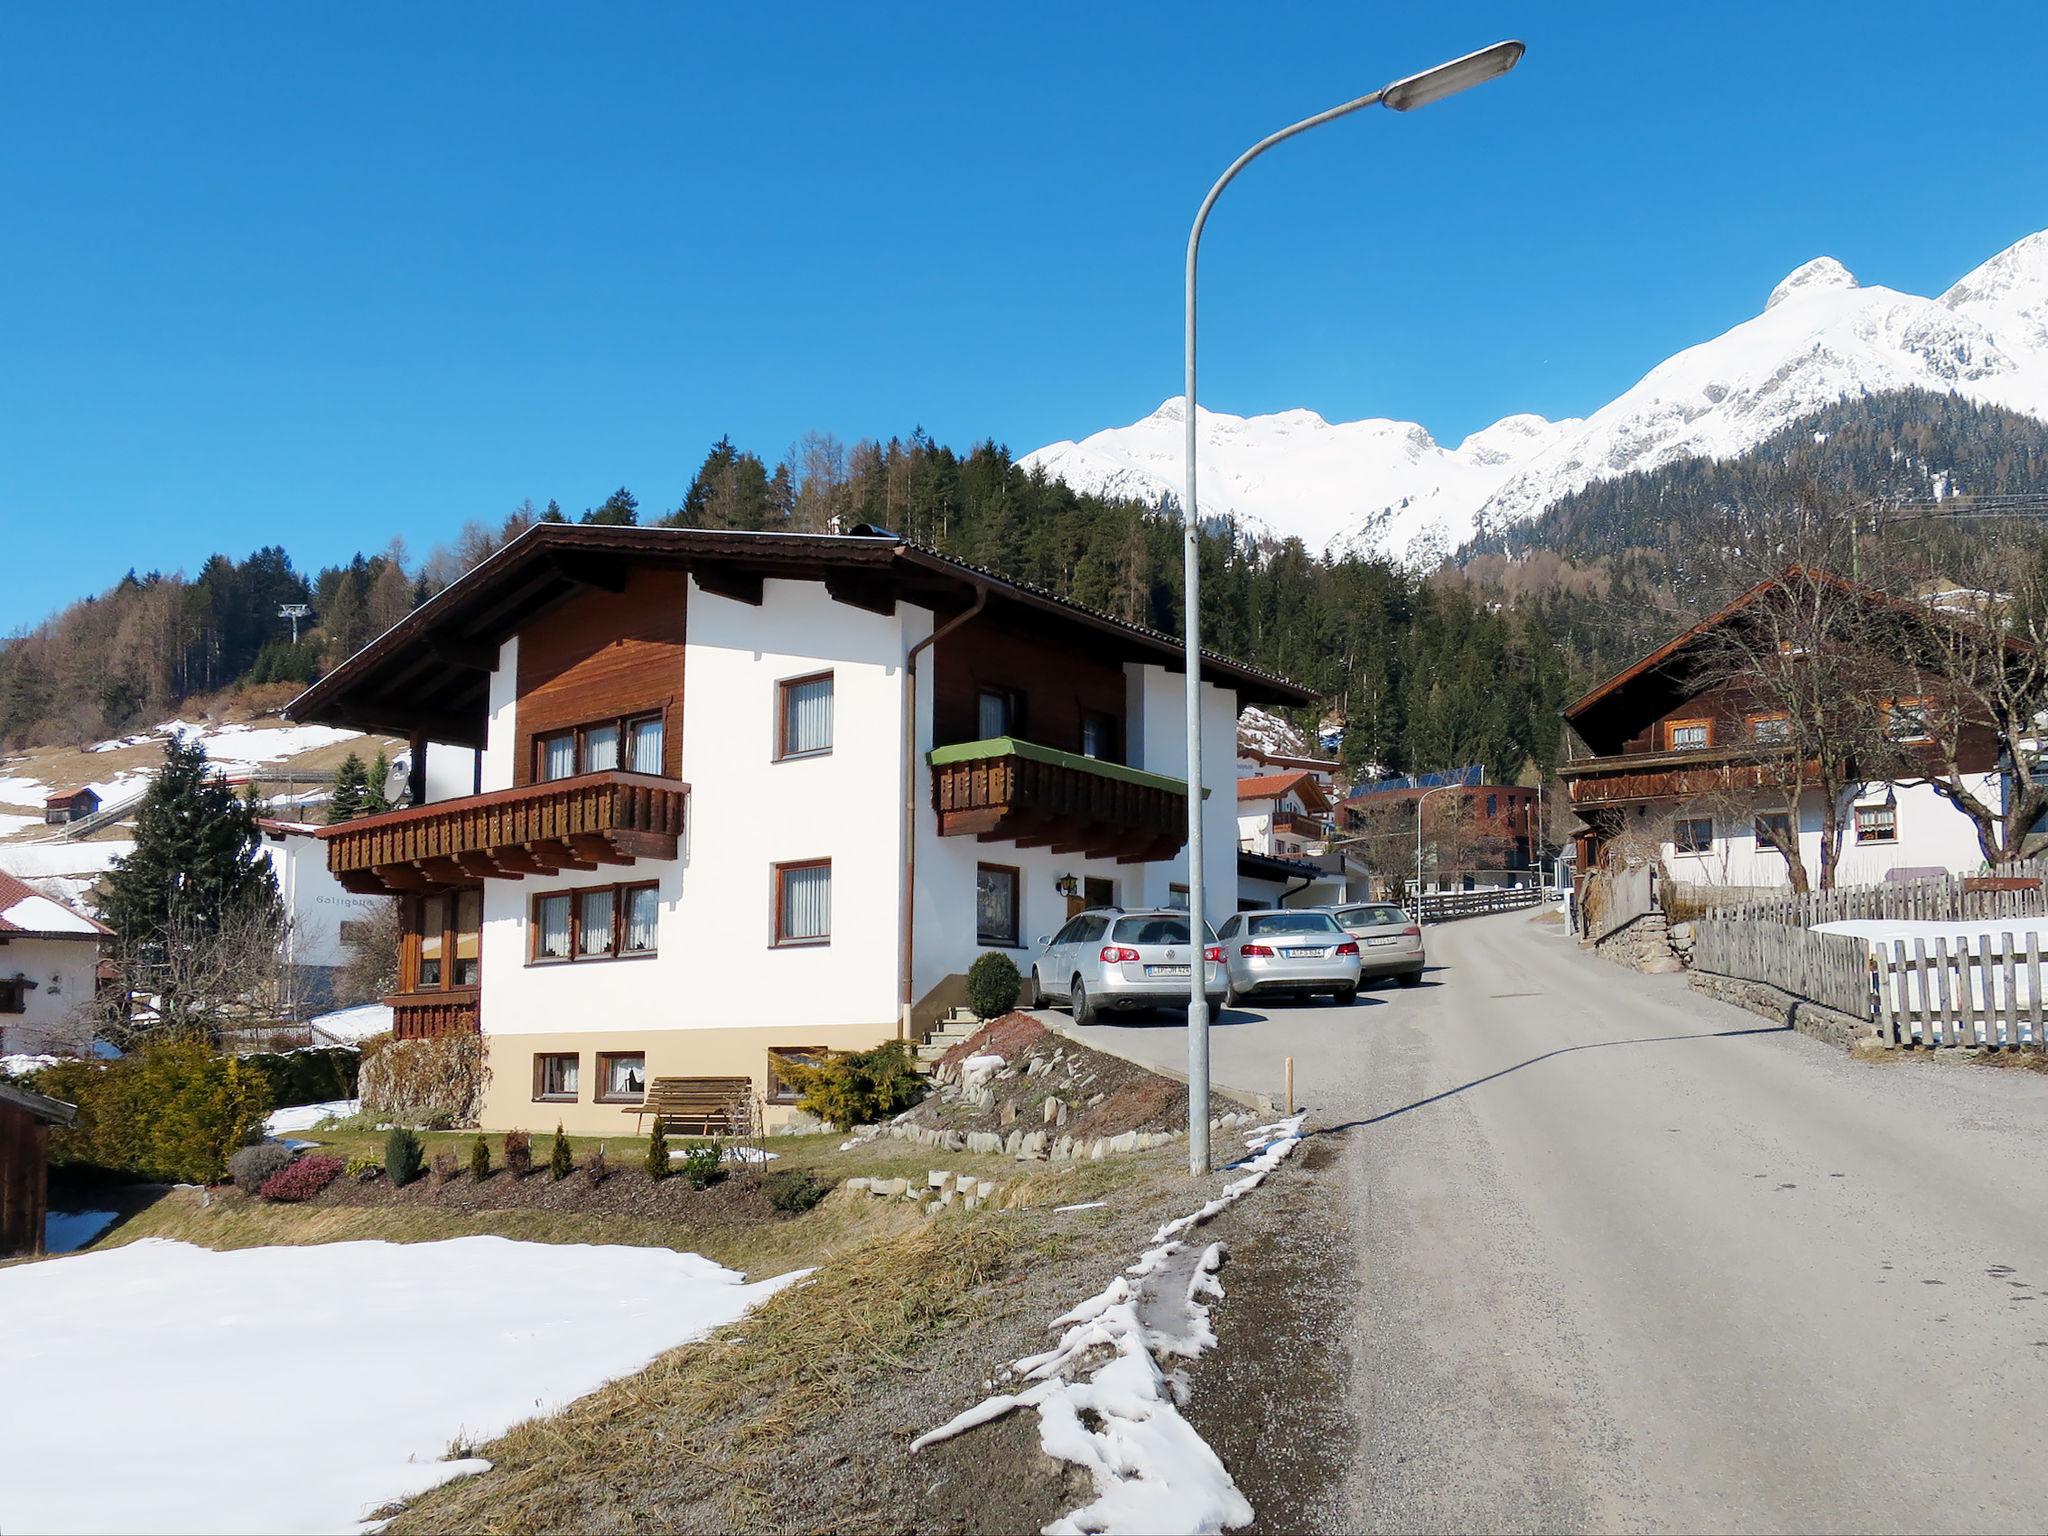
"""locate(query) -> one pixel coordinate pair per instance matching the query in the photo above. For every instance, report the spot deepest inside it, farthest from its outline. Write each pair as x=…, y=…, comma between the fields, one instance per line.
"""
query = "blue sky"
x=319, y=275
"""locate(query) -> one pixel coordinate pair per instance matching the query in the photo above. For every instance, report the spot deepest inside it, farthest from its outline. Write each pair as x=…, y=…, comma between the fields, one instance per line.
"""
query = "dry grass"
x=710, y=1423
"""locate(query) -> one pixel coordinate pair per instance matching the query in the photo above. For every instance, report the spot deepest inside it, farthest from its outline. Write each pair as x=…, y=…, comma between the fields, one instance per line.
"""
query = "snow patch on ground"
x=349, y=1025
x=303, y=1117
x=17, y=790
x=1105, y=1403
x=445, y=1343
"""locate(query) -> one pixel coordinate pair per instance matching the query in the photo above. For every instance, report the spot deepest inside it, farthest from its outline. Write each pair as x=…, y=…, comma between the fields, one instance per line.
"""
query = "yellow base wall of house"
x=510, y=1101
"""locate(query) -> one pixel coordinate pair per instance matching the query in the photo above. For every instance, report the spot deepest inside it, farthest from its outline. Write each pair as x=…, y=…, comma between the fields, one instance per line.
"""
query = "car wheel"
x=1232, y=998
x=1345, y=996
x=1084, y=1009
x=1410, y=978
x=1037, y=989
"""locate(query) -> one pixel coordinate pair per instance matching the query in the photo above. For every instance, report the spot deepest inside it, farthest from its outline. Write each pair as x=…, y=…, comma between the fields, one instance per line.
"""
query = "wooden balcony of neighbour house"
x=1682, y=773
x=1007, y=791
x=578, y=823
x=1301, y=824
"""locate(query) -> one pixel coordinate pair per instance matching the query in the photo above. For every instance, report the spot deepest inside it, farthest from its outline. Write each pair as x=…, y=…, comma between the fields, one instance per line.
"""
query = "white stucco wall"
x=62, y=973
x=1932, y=834
x=1157, y=728
x=314, y=899
x=501, y=730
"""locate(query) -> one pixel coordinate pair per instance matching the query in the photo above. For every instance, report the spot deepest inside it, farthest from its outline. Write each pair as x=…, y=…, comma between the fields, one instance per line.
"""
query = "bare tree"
x=198, y=980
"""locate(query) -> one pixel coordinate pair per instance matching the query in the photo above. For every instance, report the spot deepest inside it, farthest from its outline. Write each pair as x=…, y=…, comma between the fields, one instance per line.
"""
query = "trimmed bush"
x=560, y=1163
x=443, y=1165
x=993, y=985
x=309, y=1076
x=172, y=1109
x=363, y=1168
x=421, y=1081
x=251, y=1166
x=404, y=1156
x=479, y=1158
x=849, y=1088
x=301, y=1179
x=518, y=1154
x=701, y=1164
x=795, y=1189
x=595, y=1167
x=658, y=1165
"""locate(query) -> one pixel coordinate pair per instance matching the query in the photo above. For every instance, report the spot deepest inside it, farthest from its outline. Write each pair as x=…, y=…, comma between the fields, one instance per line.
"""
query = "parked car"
x=1299, y=951
x=1389, y=940
x=1107, y=958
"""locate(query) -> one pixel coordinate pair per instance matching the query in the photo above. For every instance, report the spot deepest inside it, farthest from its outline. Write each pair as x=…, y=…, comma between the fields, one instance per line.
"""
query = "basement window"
x=1693, y=834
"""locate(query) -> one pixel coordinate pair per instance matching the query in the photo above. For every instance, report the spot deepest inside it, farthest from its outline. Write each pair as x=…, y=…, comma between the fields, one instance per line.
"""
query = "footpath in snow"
x=1106, y=1403
x=164, y=1387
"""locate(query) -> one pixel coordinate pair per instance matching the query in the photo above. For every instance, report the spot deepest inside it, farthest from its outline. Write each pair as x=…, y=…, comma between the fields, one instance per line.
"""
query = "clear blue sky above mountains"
x=318, y=275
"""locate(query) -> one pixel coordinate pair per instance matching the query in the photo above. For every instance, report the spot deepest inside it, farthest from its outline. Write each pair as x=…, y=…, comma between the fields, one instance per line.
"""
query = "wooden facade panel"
x=1031, y=803
x=426, y=1015
x=604, y=655
x=24, y=1181
x=1058, y=683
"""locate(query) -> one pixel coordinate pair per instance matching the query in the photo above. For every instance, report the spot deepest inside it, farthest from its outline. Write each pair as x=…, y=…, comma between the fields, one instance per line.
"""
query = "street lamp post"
x=1431, y=85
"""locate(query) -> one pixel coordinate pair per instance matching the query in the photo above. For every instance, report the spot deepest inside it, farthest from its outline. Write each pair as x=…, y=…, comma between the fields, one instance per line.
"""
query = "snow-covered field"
x=150, y=1386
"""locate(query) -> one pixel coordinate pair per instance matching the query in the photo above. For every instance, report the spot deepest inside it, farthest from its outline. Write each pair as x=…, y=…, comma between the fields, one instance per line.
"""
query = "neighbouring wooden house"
x=73, y=805
x=1680, y=758
x=49, y=970
x=25, y=1121
x=719, y=794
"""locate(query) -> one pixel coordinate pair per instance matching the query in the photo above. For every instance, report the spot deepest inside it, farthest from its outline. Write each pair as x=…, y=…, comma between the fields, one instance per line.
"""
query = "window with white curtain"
x=803, y=903
x=806, y=724
x=643, y=745
x=594, y=922
x=643, y=919
x=600, y=748
x=551, y=927
x=558, y=756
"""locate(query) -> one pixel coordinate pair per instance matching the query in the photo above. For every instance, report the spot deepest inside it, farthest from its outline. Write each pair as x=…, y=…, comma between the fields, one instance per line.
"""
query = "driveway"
x=1612, y=1256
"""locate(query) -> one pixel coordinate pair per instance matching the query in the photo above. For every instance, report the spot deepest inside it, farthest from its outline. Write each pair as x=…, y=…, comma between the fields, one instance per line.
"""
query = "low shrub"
x=301, y=1179
x=993, y=985
x=658, y=1165
x=172, y=1109
x=518, y=1154
x=422, y=1081
x=443, y=1165
x=308, y=1076
x=404, y=1156
x=701, y=1164
x=479, y=1158
x=595, y=1167
x=849, y=1088
x=560, y=1163
x=250, y=1166
x=363, y=1168
x=795, y=1189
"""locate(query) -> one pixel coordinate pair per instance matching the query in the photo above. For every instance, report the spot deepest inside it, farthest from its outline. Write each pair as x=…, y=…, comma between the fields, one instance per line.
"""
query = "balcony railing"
x=1682, y=773
x=1009, y=791
x=539, y=829
x=423, y=1015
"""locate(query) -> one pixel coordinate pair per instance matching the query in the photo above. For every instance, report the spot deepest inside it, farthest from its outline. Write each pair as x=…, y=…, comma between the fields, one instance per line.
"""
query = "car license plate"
x=1303, y=954
x=1166, y=970
x=1382, y=941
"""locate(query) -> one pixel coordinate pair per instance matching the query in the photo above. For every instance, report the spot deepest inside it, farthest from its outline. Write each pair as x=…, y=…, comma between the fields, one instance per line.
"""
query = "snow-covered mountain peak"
x=1388, y=487
x=1821, y=272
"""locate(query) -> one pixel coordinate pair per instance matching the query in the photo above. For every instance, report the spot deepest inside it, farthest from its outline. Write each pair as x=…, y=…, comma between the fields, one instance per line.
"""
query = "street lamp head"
x=1449, y=79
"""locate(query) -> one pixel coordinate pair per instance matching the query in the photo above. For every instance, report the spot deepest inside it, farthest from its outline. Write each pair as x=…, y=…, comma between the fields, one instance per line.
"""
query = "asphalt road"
x=1607, y=1255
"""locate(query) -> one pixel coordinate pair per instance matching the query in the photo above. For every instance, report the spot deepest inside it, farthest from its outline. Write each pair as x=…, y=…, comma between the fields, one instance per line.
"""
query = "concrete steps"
x=954, y=1028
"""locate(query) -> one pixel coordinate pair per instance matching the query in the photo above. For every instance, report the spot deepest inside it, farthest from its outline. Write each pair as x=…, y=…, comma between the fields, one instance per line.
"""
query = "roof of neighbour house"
x=1266, y=866
x=1273, y=785
x=1472, y=775
x=281, y=829
x=27, y=913
x=429, y=672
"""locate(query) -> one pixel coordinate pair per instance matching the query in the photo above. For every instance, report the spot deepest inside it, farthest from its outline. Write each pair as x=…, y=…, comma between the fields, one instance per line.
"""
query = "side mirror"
x=1043, y=940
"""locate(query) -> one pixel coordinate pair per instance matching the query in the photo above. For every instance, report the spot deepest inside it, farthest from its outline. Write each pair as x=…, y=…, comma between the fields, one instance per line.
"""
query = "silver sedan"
x=1284, y=951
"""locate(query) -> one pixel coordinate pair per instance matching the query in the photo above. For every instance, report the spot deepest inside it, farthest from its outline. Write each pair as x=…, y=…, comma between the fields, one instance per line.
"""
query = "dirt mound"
x=1015, y=1074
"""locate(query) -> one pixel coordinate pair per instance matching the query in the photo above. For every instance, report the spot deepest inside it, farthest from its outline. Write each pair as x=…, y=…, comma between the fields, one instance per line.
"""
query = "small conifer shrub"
x=404, y=1156
x=560, y=1163
x=657, y=1152
x=993, y=985
x=701, y=1164
x=479, y=1158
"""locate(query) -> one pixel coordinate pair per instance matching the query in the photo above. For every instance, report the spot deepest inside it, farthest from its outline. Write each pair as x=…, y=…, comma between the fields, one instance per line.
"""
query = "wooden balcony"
x=1686, y=774
x=1009, y=791
x=582, y=823
x=423, y=1015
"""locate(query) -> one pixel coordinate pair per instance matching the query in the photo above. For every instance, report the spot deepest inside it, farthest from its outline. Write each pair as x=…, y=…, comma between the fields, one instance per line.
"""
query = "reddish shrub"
x=301, y=1179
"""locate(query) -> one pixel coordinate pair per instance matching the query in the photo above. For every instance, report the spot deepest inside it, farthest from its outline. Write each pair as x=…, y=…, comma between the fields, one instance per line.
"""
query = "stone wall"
x=1644, y=945
x=1794, y=1012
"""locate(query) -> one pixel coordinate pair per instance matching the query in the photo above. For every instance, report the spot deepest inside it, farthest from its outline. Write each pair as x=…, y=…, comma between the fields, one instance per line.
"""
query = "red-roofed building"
x=1282, y=815
x=49, y=965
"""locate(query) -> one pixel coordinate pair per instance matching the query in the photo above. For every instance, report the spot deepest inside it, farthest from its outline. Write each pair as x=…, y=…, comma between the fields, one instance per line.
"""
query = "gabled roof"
x=26, y=912
x=1273, y=785
x=430, y=671
x=69, y=796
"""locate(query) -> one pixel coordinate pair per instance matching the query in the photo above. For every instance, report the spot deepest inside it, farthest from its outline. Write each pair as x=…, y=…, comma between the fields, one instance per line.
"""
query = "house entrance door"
x=1095, y=892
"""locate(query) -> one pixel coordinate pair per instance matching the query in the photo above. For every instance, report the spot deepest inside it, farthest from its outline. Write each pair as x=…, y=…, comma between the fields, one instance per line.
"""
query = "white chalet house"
x=49, y=971
x=733, y=793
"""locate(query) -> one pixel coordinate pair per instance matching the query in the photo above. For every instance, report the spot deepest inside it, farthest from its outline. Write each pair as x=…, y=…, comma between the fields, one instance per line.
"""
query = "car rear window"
x=1374, y=917
x=1272, y=924
x=1152, y=930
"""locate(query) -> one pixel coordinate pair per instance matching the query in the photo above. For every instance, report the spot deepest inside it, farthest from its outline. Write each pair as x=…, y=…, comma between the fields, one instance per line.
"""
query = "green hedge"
x=308, y=1077
x=170, y=1110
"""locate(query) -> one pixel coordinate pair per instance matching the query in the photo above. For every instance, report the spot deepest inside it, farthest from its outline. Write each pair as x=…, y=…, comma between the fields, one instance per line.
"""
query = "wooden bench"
x=699, y=1106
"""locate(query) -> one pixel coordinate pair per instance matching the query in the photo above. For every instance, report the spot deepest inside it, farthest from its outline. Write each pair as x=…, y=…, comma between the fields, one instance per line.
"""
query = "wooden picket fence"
x=2016, y=890
x=1443, y=906
x=1832, y=969
x=1984, y=992
x=1622, y=896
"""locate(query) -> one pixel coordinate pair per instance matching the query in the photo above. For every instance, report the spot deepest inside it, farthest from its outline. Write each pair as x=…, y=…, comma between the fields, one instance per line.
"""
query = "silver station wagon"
x=1298, y=952
x=1107, y=958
